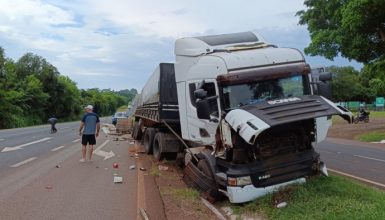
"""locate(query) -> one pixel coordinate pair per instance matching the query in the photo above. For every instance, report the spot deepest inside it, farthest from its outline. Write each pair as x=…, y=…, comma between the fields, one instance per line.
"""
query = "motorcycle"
x=362, y=117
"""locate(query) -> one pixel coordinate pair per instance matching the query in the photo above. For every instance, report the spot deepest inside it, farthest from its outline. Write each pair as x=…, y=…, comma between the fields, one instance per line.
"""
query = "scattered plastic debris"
x=118, y=179
x=227, y=210
x=143, y=169
x=136, y=155
x=48, y=187
x=132, y=167
x=57, y=166
x=162, y=168
x=132, y=142
x=115, y=165
x=282, y=205
x=115, y=174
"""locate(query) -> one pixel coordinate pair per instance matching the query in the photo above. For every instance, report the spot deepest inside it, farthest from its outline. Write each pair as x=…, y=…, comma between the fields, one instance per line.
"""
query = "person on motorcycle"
x=363, y=113
x=362, y=116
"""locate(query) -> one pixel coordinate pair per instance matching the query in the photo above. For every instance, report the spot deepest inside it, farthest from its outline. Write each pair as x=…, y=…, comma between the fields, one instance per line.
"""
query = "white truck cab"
x=248, y=114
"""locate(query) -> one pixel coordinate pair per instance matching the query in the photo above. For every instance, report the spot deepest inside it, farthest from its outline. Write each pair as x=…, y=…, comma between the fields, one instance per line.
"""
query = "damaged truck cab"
x=249, y=118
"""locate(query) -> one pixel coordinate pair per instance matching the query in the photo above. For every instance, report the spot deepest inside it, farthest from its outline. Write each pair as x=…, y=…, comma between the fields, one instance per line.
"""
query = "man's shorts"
x=88, y=138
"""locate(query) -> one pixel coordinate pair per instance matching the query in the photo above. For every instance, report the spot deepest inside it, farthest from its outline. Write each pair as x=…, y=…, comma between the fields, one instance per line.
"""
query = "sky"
x=116, y=44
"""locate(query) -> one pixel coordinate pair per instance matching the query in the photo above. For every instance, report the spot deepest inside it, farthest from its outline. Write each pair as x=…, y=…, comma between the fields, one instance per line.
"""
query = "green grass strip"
x=326, y=198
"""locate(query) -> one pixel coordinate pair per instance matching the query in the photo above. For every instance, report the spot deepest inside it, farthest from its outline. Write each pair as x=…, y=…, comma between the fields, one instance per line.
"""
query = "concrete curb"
x=213, y=209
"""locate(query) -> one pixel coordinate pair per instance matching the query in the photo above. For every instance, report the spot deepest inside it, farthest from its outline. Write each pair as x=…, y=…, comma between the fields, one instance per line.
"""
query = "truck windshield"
x=235, y=96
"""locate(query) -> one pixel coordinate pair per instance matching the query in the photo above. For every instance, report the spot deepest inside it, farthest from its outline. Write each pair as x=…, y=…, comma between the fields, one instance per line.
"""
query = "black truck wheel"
x=210, y=185
x=148, y=141
x=137, y=132
x=204, y=167
x=159, y=143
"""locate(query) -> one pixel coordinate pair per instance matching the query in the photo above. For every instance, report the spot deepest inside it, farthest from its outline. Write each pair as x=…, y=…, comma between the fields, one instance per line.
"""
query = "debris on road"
x=281, y=205
x=143, y=169
x=48, y=187
x=115, y=165
x=57, y=166
x=162, y=168
x=118, y=179
x=132, y=167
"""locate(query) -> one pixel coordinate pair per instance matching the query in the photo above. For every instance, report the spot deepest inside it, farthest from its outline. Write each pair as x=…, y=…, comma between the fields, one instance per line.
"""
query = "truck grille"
x=292, y=109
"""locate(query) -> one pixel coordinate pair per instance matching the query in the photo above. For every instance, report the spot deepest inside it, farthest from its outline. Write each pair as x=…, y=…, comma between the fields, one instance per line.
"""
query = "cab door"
x=200, y=130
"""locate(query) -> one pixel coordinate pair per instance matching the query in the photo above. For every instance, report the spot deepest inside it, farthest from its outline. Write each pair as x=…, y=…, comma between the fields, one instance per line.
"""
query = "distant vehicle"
x=118, y=115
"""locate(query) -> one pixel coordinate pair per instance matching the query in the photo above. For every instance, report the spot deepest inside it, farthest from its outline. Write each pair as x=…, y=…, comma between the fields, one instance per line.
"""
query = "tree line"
x=32, y=90
x=354, y=29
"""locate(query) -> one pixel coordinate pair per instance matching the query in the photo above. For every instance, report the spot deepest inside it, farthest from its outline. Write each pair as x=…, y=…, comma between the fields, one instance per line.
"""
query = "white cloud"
x=116, y=44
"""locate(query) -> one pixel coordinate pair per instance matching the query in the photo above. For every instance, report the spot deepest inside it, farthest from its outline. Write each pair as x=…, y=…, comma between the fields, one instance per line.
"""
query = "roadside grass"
x=155, y=171
x=375, y=114
x=188, y=200
x=332, y=197
x=122, y=108
x=374, y=136
x=184, y=193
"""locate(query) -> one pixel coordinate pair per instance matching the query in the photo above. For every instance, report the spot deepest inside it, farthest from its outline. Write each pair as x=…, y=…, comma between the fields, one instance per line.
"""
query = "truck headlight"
x=239, y=181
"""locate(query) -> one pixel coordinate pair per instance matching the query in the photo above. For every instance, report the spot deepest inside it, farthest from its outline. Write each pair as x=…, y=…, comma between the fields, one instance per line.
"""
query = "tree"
x=346, y=85
x=355, y=29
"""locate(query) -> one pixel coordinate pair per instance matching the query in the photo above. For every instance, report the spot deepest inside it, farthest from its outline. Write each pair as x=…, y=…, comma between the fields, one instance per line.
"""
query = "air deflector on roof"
x=236, y=38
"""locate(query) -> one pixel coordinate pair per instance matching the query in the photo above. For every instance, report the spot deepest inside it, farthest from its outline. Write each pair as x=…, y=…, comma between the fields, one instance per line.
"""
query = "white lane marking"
x=23, y=145
x=58, y=148
x=76, y=140
x=2, y=139
x=101, y=146
x=98, y=151
x=24, y=162
x=370, y=158
x=358, y=178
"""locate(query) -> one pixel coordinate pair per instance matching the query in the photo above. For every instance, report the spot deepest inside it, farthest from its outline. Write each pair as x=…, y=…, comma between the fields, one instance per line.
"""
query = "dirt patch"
x=165, y=180
x=180, y=201
x=344, y=130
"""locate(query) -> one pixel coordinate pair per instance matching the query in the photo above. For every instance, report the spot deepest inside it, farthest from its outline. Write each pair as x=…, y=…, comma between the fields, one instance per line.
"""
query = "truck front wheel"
x=148, y=141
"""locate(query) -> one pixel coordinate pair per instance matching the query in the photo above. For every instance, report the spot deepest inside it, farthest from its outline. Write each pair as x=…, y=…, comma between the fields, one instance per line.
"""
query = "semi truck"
x=239, y=114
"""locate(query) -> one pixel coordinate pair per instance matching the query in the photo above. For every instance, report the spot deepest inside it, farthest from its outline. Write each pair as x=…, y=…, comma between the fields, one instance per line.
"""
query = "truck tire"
x=204, y=167
x=159, y=142
x=210, y=188
x=137, y=132
x=148, y=141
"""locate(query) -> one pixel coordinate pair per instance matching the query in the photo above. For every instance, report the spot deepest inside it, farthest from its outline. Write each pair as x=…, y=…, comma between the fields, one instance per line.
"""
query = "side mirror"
x=325, y=76
x=325, y=90
x=203, y=109
x=200, y=94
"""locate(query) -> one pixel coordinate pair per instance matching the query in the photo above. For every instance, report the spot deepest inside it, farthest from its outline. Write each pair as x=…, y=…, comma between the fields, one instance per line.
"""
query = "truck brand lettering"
x=266, y=176
x=279, y=101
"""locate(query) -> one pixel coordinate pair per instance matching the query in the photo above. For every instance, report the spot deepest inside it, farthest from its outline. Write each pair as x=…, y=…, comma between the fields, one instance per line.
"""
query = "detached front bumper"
x=249, y=192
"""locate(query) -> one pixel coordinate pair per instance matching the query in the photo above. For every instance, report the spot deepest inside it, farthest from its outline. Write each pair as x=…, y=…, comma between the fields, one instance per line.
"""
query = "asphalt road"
x=361, y=161
x=41, y=176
